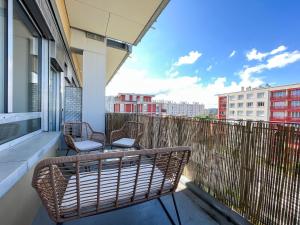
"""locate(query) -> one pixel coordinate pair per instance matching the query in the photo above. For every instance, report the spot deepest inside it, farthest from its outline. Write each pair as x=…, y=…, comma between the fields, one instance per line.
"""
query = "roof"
x=145, y=95
x=124, y=22
x=286, y=86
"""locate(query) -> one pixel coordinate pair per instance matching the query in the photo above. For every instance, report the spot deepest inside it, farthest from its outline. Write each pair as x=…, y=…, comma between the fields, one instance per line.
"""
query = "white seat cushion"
x=87, y=145
x=124, y=142
x=108, y=186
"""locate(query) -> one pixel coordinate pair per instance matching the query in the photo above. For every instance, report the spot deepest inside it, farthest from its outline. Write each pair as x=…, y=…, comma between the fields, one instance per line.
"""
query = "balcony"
x=293, y=97
x=278, y=108
x=278, y=98
x=239, y=172
x=278, y=119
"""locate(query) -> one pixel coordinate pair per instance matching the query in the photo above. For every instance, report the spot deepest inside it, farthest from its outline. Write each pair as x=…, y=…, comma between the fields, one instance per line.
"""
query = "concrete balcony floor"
x=191, y=209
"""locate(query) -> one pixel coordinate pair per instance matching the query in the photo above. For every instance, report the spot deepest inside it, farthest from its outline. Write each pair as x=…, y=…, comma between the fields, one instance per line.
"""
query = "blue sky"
x=200, y=48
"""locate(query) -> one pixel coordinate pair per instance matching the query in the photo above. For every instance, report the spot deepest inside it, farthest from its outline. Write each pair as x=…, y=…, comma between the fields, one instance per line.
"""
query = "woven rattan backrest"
x=78, y=130
x=132, y=129
x=95, y=183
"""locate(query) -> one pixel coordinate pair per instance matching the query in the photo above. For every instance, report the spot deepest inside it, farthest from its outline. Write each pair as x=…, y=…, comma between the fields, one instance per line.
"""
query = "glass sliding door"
x=54, y=100
x=3, y=33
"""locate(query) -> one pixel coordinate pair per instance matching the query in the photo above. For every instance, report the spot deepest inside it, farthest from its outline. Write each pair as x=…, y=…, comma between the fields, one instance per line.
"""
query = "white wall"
x=93, y=71
x=93, y=92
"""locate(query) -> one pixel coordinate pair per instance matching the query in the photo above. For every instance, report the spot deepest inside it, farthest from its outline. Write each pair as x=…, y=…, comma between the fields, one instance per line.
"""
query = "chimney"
x=243, y=89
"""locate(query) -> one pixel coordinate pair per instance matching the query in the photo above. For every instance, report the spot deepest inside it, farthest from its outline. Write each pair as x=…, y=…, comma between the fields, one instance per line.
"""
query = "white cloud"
x=256, y=55
x=277, y=61
x=188, y=59
x=179, y=88
x=232, y=54
x=209, y=68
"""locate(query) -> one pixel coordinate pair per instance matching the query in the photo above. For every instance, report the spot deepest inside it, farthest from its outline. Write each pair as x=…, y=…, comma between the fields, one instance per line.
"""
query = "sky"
x=200, y=48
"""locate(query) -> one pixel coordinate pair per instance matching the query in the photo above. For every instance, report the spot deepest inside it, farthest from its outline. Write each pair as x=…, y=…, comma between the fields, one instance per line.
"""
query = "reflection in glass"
x=2, y=51
x=26, y=79
x=11, y=131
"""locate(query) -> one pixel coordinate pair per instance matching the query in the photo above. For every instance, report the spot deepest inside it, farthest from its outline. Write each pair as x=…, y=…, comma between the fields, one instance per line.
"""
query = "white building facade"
x=248, y=104
x=183, y=108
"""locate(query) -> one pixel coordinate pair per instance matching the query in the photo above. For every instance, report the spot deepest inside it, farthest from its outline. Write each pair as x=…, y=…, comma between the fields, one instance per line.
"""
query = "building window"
x=295, y=92
x=26, y=77
x=126, y=97
x=260, y=113
x=232, y=97
x=240, y=97
x=232, y=113
x=278, y=114
x=261, y=95
x=295, y=103
x=3, y=33
x=122, y=107
x=134, y=98
x=240, y=105
x=240, y=113
x=279, y=104
x=232, y=105
x=279, y=94
x=249, y=104
x=260, y=104
x=295, y=114
x=249, y=113
x=249, y=96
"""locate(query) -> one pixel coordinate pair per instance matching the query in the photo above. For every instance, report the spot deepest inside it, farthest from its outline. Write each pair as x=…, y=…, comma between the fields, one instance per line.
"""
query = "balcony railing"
x=279, y=98
x=252, y=167
x=279, y=108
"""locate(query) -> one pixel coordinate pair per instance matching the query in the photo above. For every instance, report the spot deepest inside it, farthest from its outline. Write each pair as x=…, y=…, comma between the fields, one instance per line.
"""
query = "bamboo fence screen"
x=252, y=167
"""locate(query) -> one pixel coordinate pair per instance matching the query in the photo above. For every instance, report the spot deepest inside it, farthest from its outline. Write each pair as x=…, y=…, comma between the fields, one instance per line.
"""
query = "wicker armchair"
x=113, y=180
x=128, y=136
x=80, y=137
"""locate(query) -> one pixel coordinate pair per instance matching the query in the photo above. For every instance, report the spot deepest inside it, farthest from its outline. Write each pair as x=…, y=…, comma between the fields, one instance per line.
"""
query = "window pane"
x=26, y=79
x=2, y=51
x=11, y=131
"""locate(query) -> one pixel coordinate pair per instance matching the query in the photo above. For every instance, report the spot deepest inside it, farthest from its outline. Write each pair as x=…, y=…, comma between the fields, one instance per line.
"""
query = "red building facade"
x=222, y=106
x=136, y=103
x=285, y=105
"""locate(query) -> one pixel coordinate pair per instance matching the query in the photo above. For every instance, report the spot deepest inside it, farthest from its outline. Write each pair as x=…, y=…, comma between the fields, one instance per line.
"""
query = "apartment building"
x=183, y=108
x=274, y=104
x=135, y=103
x=285, y=104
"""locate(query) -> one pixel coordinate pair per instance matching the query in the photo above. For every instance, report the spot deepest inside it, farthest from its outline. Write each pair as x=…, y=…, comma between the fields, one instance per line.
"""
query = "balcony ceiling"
x=123, y=20
x=115, y=58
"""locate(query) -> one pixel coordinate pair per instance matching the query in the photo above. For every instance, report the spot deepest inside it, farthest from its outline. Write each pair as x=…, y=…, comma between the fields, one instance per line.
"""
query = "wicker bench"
x=72, y=187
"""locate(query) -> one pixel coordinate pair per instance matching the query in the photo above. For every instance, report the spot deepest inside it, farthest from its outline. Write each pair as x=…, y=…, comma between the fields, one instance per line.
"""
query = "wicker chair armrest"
x=70, y=141
x=116, y=134
x=99, y=137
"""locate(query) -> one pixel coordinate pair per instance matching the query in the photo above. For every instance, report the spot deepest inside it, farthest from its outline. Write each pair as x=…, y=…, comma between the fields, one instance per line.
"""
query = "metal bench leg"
x=176, y=209
x=168, y=214
x=166, y=211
